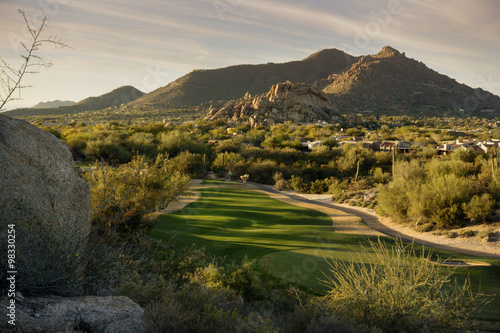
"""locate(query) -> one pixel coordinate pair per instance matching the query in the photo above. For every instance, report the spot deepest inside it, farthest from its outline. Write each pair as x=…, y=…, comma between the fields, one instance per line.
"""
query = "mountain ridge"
x=232, y=82
x=52, y=104
x=118, y=96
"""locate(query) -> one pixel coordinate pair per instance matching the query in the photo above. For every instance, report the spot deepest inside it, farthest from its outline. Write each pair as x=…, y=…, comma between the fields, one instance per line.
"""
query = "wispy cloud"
x=119, y=41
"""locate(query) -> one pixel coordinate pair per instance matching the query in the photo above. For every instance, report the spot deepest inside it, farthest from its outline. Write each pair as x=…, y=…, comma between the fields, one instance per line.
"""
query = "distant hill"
x=52, y=104
x=116, y=97
x=233, y=82
x=391, y=80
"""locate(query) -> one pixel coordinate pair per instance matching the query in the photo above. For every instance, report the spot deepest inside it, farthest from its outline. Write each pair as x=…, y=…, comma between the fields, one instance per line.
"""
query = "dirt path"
x=386, y=227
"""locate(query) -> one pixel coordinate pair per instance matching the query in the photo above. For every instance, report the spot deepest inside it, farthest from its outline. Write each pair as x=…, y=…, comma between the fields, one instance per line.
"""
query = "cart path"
x=352, y=220
x=372, y=220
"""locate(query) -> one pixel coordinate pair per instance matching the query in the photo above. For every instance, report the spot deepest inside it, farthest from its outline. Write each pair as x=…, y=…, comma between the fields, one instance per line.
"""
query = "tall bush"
x=399, y=290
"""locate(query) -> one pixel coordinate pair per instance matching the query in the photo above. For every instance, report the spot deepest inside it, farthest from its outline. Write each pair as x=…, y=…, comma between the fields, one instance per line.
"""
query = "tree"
x=11, y=77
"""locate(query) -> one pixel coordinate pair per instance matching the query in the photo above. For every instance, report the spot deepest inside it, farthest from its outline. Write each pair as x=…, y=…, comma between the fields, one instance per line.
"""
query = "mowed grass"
x=291, y=241
x=234, y=223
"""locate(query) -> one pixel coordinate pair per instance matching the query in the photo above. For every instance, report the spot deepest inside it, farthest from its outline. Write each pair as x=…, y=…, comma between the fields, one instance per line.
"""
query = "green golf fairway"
x=291, y=241
x=235, y=223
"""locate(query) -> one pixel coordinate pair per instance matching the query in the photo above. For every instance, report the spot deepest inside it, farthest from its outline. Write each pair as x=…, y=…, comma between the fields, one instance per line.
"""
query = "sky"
x=149, y=43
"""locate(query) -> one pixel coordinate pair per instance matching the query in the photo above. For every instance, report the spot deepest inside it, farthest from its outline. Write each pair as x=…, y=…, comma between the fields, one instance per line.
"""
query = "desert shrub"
x=337, y=188
x=142, y=143
x=479, y=208
x=435, y=197
x=227, y=146
x=195, y=308
x=466, y=155
x=175, y=142
x=261, y=171
x=108, y=148
x=298, y=184
x=282, y=185
x=486, y=235
x=466, y=233
x=320, y=186
x=380, y=177
x=333, y=324
x=256, y=136
x=120, y=196
x=225, y=162
x=399, y=291
x=360, y=185
x=193, y=165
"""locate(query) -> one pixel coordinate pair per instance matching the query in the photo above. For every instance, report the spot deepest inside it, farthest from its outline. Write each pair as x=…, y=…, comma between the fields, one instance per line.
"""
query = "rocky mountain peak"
x=388, y=52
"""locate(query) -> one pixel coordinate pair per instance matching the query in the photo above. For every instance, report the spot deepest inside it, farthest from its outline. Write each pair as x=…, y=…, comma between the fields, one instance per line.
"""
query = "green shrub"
x=466, y=233
x=479, y=208
x=398, y=291
x=120, y=196
x=262, y=171
x=486, y=235
x=298, y=184
x=380, y=177
x=224, y=162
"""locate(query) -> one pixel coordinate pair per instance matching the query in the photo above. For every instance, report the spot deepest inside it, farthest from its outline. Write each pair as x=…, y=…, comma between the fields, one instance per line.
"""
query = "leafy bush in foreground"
x=399, y=291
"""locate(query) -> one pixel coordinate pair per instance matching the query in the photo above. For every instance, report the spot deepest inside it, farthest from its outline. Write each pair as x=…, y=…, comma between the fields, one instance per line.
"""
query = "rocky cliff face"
x=298, y=102
x=41, y=195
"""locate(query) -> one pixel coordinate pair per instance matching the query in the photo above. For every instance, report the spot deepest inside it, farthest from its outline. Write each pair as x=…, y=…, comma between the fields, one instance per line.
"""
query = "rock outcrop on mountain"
x=298, y=102
x=233, y=82
x=81, y=314
x=390, y=80
x=116, y=97
x=46, y=201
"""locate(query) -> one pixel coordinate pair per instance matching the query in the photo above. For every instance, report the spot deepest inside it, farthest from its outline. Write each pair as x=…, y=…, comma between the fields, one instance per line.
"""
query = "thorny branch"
x=10, y=77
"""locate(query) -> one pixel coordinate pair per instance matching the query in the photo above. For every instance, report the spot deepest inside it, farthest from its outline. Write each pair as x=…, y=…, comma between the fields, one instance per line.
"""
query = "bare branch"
x=12, y=82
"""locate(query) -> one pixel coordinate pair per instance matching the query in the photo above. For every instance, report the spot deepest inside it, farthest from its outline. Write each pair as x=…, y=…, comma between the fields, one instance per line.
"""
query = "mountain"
x=116, y=97
x=52, y=104
x=390, y=80
x=387, y=80
x=233, y=82
x=298, y=102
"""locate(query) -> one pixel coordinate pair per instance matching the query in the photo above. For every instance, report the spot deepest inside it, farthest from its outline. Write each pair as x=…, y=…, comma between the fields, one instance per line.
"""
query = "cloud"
x=119, y=39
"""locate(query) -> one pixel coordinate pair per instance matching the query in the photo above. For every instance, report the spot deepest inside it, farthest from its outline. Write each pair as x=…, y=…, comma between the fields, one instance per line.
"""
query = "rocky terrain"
x=390, y=80
x=297, y=102
x=116, y=97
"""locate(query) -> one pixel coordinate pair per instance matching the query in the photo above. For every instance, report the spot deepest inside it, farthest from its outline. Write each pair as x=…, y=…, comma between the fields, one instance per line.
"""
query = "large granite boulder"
x=46, y=201
x=82, y=314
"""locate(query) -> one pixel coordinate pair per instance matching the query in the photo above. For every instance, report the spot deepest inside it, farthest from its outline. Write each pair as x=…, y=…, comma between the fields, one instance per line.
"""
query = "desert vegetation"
x=352, y=173
x=194, y=270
